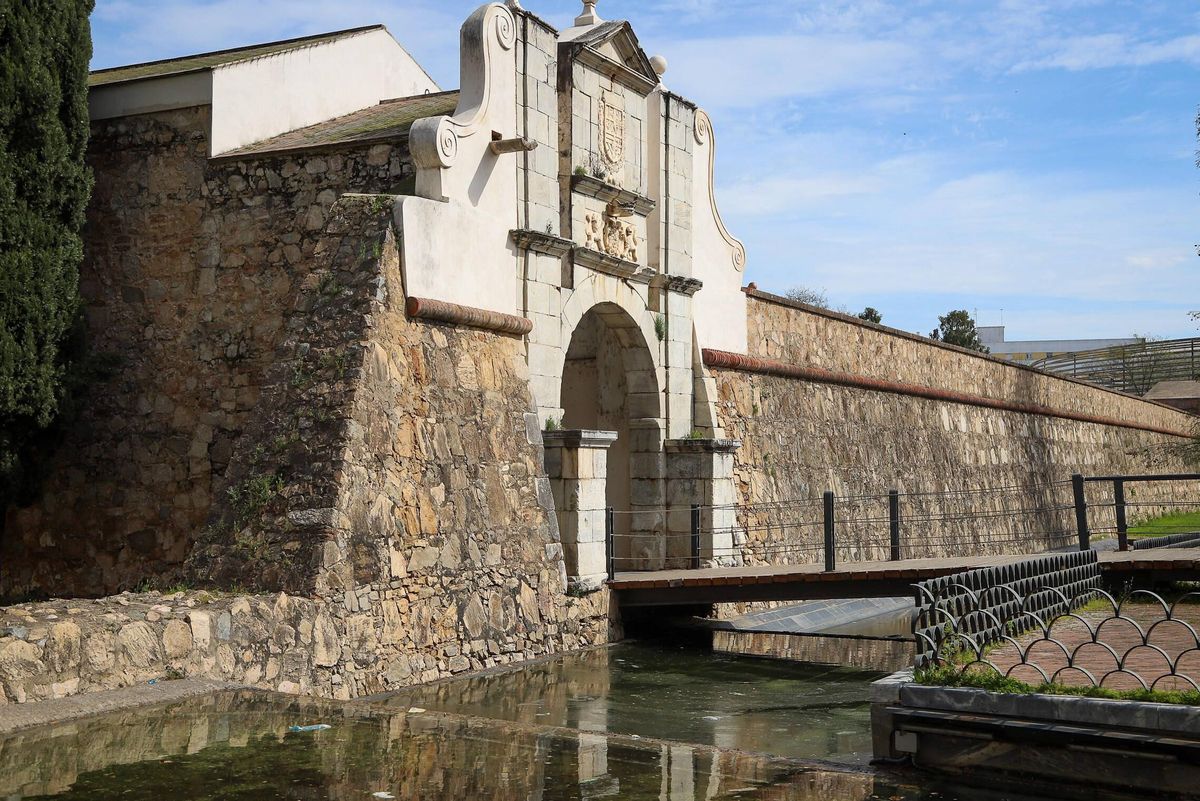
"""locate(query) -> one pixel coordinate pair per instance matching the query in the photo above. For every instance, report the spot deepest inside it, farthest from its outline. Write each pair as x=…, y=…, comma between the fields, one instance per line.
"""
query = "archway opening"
x=609, y=383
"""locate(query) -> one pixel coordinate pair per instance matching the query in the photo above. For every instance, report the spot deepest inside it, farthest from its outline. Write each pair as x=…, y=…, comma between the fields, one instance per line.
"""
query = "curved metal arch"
x=1183, y=676
x=1111, y=651
x=1182, y=599
x=1154, y=648
x=1177, y=621
x=1129, y=620
x=1127, y=673
x=1178, y=659
x=1163, y=604
x=1038, y=668
x=1082, y=670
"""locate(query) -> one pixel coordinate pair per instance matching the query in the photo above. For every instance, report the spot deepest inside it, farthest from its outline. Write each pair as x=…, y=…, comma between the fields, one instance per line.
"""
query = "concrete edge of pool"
x=16, y=717
x=1075, y=744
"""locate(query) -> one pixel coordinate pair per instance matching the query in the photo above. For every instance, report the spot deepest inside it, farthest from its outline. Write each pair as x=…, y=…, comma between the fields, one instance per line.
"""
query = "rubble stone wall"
x=189, y=266
x=391, y=484
x=800, y=438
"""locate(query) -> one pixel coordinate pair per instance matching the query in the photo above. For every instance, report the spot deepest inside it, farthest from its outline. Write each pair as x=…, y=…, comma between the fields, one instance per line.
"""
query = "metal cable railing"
x=889, y=526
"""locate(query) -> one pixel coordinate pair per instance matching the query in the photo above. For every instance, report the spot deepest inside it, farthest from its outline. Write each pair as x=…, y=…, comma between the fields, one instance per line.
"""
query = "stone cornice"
x=702, y=445
x=593, y=187
x=541, y=242
x=723, y=360
x=578, y=438
x=611, y=265
x=443, y=312
x=682, y=284
x=615, y=70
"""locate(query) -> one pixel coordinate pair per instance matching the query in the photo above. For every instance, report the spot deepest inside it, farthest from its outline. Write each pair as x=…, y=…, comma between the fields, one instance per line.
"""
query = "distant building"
x=1029, y=351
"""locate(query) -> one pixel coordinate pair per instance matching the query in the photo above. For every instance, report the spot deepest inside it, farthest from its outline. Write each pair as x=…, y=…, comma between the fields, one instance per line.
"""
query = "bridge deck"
x=859, y=579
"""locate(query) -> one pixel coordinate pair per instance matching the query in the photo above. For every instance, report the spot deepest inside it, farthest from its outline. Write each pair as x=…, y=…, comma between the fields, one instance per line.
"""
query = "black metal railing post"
x=830, y=554
x=610, y=527
x=1122, y=525
x=1081, y=521
x=695, y=535
x=894, y=523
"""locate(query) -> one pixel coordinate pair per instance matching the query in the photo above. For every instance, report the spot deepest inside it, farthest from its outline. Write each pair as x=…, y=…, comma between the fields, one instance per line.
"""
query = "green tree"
x=958, y=328
x=871, y=315
x=45, y=47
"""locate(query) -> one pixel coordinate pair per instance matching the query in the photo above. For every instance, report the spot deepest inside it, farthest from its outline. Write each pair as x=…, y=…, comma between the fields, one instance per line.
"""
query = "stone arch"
x=612, y=381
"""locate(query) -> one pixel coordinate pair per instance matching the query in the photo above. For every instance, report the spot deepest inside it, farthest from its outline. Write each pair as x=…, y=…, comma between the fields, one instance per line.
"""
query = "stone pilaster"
x=700, y=472
x=577, y=463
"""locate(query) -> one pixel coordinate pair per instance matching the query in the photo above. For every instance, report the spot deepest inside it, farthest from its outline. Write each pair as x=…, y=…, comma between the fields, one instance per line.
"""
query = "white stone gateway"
x=587, y=191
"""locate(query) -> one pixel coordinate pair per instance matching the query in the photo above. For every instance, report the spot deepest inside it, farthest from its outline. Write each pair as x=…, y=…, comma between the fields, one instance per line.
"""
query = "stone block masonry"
x=803, y=434
x=391, y=484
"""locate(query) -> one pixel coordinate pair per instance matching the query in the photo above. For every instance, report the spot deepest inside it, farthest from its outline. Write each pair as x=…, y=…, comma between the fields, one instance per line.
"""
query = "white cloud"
x=1112, y=50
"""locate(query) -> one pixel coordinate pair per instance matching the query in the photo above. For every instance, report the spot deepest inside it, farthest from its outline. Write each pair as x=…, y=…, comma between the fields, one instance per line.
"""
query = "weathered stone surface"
x=177, y=639
x=138, y=646
x=65, y=648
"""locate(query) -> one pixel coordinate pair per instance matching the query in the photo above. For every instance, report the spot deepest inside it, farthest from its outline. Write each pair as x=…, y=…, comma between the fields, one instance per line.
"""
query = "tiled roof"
x=203, y=61
x=388, y=120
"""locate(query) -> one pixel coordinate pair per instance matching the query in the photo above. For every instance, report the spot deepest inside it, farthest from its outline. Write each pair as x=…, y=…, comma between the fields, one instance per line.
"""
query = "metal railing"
x=1120, y=505
x=1032, y=517
x=1133, y=368
x=1030, y=619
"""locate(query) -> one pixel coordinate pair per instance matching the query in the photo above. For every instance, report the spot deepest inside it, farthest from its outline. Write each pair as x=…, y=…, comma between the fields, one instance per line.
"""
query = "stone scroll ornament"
x=704, y=136
x=434, y=141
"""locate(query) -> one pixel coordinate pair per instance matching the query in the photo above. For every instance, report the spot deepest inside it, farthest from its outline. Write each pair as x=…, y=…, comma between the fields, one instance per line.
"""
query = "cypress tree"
x=45, y=47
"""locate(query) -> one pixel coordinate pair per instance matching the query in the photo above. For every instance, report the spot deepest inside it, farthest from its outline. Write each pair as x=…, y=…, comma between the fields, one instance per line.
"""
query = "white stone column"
x=577, y=464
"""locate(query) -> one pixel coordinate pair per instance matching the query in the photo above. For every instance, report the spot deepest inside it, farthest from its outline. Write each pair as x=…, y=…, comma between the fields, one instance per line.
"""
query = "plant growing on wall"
x=44, y=188
x=660, y=327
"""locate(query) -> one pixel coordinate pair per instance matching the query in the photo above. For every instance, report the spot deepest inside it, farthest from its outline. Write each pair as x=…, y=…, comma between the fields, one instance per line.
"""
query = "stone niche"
x=605, y=87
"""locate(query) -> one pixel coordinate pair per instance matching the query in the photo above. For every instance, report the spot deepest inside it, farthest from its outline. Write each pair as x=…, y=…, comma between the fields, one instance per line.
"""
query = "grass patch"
x=952, y=676
x=1168, y=524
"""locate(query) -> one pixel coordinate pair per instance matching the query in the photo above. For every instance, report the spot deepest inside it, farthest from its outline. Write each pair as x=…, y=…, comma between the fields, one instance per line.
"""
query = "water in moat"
x=676, y=693
x=629, y=722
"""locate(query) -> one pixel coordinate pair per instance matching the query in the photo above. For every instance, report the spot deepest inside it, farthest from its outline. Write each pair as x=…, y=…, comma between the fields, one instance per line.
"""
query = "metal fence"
x=1032, y=517
x=1048, y=621
x=1133, y=368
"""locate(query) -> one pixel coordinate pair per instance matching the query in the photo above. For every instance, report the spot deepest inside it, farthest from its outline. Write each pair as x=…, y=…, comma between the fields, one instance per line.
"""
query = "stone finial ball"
x=659, y=64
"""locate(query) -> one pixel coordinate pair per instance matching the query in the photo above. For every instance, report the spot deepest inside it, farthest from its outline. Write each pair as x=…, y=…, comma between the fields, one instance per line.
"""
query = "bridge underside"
x=810, y=582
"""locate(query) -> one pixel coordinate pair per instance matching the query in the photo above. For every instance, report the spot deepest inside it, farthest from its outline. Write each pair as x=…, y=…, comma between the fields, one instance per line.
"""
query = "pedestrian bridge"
x=880, y=579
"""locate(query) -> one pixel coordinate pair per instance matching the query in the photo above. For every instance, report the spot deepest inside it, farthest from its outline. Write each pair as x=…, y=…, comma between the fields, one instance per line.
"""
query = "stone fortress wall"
x=801, y=437
x=364, y=488
x=189, y=264
x=392, y=485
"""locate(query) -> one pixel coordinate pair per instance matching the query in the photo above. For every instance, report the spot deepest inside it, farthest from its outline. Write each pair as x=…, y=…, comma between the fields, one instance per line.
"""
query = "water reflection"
x=778, y=708
x=236, y=746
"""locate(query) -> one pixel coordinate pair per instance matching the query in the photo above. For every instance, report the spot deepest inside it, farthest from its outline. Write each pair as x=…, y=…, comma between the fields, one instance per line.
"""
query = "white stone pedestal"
x=577, y=464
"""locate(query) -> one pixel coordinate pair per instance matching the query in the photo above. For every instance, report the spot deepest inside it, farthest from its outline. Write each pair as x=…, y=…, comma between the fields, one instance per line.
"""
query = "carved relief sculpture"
x=610, y=236
x=593, y=237
x=612, y=139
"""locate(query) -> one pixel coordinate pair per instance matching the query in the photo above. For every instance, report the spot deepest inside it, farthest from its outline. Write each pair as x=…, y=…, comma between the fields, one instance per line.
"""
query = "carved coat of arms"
x=612, y=132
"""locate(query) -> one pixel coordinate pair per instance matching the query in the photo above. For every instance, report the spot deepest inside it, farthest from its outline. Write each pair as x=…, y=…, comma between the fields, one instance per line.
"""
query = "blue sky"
x=1031, y=156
